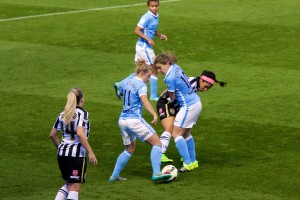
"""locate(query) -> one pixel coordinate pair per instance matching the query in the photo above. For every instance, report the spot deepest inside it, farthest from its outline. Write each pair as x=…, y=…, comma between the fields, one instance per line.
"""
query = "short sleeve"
x=143, y=22
x=142, y=90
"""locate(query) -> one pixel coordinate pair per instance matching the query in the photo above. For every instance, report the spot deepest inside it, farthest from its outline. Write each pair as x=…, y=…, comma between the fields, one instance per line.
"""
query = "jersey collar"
x=139, y=78
x=169, y=70
x=153, y=14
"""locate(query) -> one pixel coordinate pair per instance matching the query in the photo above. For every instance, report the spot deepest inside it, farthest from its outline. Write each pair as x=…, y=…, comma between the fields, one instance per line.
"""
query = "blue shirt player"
x=146, y=30
x=132, y=124
x=179, y=88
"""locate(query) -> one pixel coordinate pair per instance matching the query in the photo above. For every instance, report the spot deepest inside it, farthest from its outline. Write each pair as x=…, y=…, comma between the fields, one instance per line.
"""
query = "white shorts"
x=187, y=117
x=144, y=53
x=135, y=128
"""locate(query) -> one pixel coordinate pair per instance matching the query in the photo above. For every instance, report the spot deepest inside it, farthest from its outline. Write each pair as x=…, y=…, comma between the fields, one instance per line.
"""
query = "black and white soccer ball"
x=170, y=169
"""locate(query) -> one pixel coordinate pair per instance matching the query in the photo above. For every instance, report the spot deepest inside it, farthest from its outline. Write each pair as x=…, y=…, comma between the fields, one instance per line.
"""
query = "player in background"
x=74, y=124
x=167, y=111
x=132, y=124
x=146, y=30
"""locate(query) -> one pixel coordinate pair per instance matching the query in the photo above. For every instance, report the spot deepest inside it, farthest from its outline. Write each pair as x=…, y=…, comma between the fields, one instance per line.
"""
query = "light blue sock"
x=155, y=157
x=128, y=77
x=153, y=86
x=183, y=149
x=121, y=163
x=191, y=147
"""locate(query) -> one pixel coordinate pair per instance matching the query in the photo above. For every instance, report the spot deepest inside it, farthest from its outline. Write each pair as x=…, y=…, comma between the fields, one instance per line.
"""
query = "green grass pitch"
x=247, y=136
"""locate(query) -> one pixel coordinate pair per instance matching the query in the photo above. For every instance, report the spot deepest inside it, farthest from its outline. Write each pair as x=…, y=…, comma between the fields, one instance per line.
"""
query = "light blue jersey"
x=149, y=24
x=178, y=83
x=132, y=89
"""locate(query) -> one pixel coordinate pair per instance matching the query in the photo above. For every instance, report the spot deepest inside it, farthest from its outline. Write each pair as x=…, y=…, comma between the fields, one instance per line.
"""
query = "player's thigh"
x=140, y=128
x=144, y=53
x=126, y=133
x=167, y=124
x=165, y=109
x=74, y=187
x=187, y=117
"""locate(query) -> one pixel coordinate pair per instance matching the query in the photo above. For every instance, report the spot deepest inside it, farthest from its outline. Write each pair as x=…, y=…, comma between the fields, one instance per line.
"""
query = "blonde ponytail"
x=73, y=99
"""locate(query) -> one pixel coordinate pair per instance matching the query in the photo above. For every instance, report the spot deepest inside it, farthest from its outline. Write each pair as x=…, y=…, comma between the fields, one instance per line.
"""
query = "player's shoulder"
x=83, y=111
x=192, y=79
x=142, y=85
x=146, y=16
x=60, y=115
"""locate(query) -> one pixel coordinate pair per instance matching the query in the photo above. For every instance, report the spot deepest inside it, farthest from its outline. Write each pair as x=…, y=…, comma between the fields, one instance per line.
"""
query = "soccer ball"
x=170, y=169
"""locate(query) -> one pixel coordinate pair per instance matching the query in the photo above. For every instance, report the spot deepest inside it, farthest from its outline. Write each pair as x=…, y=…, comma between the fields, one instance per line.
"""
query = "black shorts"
x=72, y=169
x=166, y=109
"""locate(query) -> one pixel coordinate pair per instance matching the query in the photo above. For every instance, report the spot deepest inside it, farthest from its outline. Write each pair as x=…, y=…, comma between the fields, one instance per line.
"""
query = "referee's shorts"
x=166, y=109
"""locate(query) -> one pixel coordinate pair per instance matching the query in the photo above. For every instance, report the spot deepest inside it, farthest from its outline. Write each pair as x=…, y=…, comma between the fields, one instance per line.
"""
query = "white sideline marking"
x=78, y=11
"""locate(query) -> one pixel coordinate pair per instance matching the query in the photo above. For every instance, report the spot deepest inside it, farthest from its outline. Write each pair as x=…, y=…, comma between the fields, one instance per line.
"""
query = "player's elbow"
x=136, y=32
x=53, y=134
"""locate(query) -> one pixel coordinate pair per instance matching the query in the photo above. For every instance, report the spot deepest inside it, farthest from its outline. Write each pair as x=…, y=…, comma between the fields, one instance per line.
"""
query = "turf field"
x=247, y=136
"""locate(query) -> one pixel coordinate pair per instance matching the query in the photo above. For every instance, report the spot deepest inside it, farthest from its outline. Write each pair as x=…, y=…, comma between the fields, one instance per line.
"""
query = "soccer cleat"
x=186, y=168
x=160, y=176
x=117, y=89
x=165, y=159
x=195, y=164
x=113, y=179
x=154, y=98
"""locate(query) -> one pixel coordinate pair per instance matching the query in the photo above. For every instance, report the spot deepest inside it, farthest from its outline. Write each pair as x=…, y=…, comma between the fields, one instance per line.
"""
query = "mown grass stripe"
x=78, y=11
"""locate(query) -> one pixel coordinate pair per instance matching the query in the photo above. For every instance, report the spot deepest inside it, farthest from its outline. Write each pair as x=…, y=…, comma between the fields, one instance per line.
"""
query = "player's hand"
x=154, y=121
x=93, y=159
x=163, y=37
x=151, y=42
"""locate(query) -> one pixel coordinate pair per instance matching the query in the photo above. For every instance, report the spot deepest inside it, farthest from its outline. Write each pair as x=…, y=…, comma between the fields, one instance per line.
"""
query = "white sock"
x=73, y=195
x=62, y=193
x=165, y=140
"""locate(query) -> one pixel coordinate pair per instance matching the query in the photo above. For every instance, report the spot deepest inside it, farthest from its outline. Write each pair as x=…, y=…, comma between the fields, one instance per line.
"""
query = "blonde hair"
x=141, y=66
x=165, y=57
x=73, y=99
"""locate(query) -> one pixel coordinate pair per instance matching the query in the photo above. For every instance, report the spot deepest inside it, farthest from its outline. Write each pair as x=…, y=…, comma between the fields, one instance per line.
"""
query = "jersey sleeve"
x=194, y=84
x=142, y=90
x=58, y=123
x=83, y=119
x=143, y=21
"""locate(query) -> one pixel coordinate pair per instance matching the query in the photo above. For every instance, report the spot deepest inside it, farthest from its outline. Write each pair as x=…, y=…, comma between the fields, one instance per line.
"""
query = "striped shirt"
x=70, y=145
x=194, y=81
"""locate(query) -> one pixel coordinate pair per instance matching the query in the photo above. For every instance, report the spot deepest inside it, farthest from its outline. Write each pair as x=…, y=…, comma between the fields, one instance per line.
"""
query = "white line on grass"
x=78, y=11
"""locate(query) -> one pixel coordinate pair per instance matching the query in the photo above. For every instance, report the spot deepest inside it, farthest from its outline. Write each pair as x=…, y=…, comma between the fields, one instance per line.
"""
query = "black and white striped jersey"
x=70, y=145
x=194, y=81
